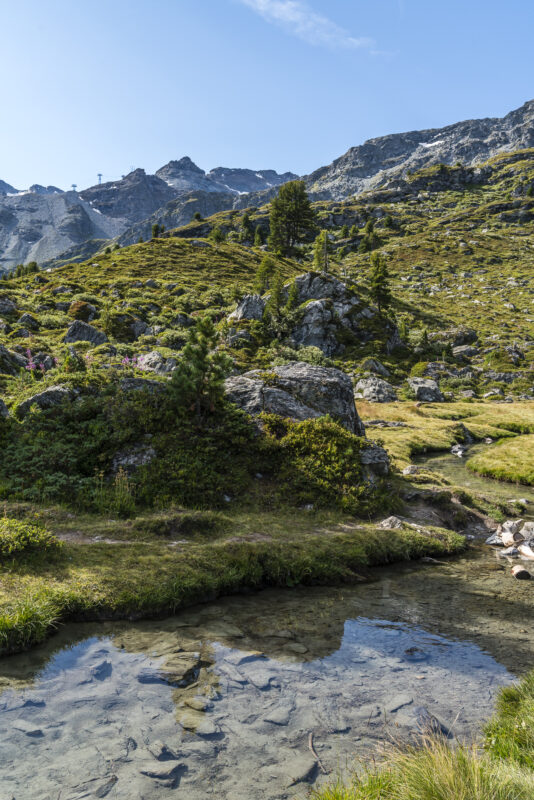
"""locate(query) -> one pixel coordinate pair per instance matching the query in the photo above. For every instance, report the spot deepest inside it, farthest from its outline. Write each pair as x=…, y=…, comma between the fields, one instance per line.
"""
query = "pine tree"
x=353, y=232
x=259, y=236
x=265, y=272
x=344, y=232
x=247, y=231
x=292, y=297
x=197, y=216
x=322, y=251
x=217, y=235
x=198, y=380
x=155, y=230
x=291, y=217
x=379, y=291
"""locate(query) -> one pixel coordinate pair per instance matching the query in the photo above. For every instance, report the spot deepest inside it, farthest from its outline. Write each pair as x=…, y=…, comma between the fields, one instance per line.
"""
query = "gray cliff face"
x=37, y=227
x=378, y=160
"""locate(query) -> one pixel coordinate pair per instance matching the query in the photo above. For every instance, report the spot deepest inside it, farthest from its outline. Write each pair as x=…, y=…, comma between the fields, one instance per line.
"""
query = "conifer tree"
x=155, y=230
x=217, y=235
x=322, y=251
x=380, y=291
x=292, y=297
x=264, y=274
x=291, y=217
x=198, y=380
x=259, y=236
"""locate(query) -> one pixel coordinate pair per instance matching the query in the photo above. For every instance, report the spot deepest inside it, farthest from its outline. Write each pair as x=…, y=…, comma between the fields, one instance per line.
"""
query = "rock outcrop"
x=299, y=391
x=330, y=313
x=251, y=306
x=10, y=362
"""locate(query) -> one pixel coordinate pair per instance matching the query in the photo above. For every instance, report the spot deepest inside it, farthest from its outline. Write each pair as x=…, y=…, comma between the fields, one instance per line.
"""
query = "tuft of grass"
x=510, y=734
x=435, y=771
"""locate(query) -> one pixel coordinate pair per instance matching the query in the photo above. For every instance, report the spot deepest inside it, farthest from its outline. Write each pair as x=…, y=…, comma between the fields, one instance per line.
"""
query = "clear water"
x=455, y=470
x=220, y=701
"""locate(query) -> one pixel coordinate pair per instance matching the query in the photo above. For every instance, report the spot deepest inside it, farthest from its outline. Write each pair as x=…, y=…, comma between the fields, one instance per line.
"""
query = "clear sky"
x=108, y=85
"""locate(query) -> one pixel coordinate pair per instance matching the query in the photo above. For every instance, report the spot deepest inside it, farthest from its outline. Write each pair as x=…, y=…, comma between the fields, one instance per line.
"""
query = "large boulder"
x=4, y=411
x=251, y=306
x=80, y=331
x=455, y=337
x=28, y=321
x=11, y=363
x=376, y=390
x=426, y=390
x=48, y=398
x=7, y=306
x=316, y=328
x=299, y=391
x=313, y=286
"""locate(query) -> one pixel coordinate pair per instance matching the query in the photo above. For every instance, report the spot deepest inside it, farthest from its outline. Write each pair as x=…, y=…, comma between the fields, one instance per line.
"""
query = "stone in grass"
x=391, y=523
x=4, y=411
x=426, y=390
x=412, y=469
x=80, y=331
x=376, y=390
x=48, y=398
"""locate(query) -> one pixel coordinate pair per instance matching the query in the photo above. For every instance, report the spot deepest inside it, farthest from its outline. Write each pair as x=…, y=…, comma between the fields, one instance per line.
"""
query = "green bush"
x=19, y=536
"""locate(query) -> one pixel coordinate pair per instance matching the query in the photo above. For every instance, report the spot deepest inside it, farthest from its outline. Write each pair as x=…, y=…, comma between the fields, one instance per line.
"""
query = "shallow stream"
x=259, y=696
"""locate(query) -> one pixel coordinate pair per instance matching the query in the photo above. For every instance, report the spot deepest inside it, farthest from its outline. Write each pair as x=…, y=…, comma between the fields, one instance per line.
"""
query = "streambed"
x=220, y=701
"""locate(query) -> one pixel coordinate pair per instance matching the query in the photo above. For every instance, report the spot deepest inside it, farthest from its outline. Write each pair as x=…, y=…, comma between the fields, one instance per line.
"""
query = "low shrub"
x=19, y=536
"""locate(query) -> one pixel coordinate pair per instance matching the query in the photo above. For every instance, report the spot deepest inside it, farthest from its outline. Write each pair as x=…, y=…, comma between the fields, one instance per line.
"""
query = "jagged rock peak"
x=184, y=164
x=6, y=188
x=36, y=188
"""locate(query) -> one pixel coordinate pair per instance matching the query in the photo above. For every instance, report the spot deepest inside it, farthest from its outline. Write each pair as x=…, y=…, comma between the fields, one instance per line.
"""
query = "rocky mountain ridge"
x=378, y=160
x=32, y=228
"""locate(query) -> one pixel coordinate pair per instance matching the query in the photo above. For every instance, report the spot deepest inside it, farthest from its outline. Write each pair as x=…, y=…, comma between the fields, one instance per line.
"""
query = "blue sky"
x=114, y=84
